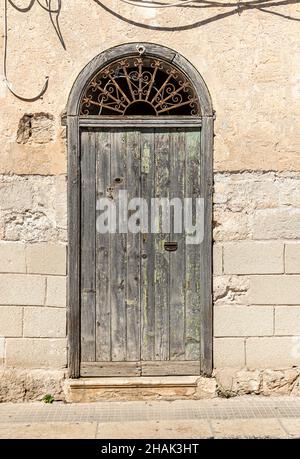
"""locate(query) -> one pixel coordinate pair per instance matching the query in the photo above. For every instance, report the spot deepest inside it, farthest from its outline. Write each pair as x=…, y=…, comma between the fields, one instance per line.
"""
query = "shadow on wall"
x=230, y=9
x=54, y=8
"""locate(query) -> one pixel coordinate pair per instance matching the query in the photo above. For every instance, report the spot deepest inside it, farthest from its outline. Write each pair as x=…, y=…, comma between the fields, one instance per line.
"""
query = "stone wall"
x=246, y=61
x=33, y=304
x=33, y=222
x=257, y=270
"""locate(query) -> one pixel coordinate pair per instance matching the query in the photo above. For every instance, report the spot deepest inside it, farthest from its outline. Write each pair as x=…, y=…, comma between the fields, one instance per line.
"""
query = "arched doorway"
x=140, y=133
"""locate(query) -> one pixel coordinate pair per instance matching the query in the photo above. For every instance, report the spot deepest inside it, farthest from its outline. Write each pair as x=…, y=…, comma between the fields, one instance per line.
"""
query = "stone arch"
x=149, y=50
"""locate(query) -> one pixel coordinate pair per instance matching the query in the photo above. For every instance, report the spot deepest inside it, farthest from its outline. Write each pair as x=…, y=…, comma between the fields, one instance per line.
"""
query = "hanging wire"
x=48, y=8
x=7, y=82
x=170, y=5
x=24, y=9
x=54, y=22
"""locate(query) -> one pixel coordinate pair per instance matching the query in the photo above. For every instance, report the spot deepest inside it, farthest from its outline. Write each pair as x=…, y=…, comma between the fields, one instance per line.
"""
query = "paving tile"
x=292, y=426
x=57, y=430
x=246, y=407
x=155, y=429
x=247, y=428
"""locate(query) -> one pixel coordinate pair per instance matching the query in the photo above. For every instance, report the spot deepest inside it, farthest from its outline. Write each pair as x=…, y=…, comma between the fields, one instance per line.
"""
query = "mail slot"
x=171, y=246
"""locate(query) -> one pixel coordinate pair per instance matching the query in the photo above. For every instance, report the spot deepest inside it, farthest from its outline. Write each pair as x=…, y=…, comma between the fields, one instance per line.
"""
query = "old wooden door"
x=140, y=302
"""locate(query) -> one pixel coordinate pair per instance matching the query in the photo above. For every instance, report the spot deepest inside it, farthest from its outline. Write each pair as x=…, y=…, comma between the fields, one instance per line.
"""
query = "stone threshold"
x=134, y=382
x=139, y=388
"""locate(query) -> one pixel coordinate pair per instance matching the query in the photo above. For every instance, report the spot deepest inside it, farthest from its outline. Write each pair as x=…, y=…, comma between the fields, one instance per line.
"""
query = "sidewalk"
x=240, y=417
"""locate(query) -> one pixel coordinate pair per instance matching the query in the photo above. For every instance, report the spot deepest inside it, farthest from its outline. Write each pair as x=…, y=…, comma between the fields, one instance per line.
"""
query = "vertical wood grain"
x=177, y=258
x=193, y=270
x=103, y=318
x=88, y=204
x=118, y=253
x=133, y=312
x=148, y=249
x=162, y=266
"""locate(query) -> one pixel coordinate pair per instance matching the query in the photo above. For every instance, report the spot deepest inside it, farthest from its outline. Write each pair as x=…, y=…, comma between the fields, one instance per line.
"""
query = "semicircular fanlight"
x=140, y=86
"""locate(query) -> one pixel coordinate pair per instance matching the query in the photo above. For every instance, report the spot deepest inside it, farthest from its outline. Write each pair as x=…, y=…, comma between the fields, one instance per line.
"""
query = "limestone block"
x=274, y=289
x=230, y=289
x=229, y=225
x=56, y=291
x=12, y=257
x=256, y=205
x=272, y=352
x=229, y=352
x=217, y=259
x=248, y=191
x=46, y=258
x=36, y=352
x=287, y=320
x=44, y=322
x=2, y=350
x=60, y=199
x=243, y=320
x=10, y=321
x=22, y=289
x=15, y=193
x=253, y=258
x=276, y=223
x=292, y=258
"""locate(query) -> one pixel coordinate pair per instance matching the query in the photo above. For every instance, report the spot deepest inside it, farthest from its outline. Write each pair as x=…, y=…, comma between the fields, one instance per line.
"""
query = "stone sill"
x=138, y=382
x=139, y=388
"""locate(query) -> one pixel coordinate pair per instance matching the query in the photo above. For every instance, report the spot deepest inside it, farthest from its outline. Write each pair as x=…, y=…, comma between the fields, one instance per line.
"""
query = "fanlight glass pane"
x=140, y=86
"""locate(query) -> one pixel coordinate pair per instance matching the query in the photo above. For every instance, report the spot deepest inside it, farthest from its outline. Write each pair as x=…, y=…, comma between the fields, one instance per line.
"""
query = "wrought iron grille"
x=141, y=86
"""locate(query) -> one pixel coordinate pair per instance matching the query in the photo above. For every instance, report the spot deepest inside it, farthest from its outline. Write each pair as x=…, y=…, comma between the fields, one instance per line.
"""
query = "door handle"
x=170, y=246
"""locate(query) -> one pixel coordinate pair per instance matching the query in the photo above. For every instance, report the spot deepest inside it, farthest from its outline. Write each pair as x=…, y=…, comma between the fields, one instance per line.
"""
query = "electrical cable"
x=7, y=82
x=170, y=5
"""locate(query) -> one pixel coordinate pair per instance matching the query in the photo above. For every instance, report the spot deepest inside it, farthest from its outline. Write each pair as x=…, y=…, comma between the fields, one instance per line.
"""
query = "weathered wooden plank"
x=133, y=313
x=118, y=255
x=103, y=328
x=177, y=258
x=171, y=368
x=206, y=248
x=133, y=122
x=147, y=248
x=88, y=203
x=161, y=275
x=198, y=299
x=193, y=269
x=97, y=369
x=73, y=248
x=145, y=368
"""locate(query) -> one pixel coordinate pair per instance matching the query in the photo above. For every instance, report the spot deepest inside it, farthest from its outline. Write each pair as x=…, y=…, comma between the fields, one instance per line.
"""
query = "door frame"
x=74, y=124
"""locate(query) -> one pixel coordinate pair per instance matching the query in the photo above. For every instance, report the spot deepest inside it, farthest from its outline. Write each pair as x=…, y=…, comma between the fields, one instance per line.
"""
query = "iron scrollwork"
x=140, y=86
